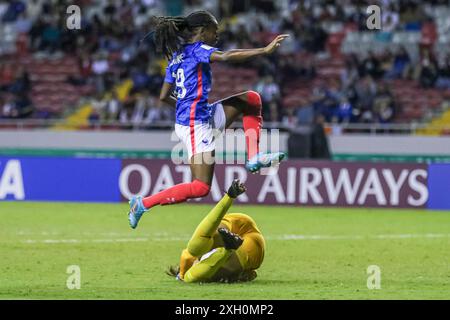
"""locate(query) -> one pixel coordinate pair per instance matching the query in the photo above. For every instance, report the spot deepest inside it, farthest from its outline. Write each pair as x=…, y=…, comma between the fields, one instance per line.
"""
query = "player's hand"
x=275, y=43
x=236, y=189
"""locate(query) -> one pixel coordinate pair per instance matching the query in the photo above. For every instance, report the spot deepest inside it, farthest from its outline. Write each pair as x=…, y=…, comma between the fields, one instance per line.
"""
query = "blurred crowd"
x=15, y=87
x=363, y=94
x=109, y=49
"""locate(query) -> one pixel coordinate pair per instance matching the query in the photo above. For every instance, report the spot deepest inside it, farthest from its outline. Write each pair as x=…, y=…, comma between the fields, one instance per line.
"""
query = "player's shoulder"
x=177, y=58
x=201, y=47
x=206, y=47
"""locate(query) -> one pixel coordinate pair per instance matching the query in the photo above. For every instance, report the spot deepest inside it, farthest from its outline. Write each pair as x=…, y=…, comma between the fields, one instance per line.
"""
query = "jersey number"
x=180, y=84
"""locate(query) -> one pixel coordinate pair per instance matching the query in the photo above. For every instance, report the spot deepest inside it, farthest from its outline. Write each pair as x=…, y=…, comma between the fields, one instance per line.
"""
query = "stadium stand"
x=332, y=67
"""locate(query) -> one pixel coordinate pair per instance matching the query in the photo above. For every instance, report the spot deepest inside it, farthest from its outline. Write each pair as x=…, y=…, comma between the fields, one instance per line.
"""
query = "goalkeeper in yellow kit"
x=224, y=247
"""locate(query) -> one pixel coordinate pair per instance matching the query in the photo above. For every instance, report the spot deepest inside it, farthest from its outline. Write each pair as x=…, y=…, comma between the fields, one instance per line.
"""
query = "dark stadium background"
x=332, y=69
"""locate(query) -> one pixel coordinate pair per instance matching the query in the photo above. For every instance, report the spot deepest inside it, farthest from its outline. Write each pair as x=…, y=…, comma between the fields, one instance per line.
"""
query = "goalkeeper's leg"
x=202, y=240
x=207, y=267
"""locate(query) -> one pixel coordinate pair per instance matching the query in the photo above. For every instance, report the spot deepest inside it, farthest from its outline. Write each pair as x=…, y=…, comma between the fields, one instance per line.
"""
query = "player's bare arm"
x=239, y=55
x=166, y=94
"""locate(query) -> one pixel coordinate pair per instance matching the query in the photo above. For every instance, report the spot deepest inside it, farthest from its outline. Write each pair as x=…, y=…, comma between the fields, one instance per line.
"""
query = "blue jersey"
x=191, y=73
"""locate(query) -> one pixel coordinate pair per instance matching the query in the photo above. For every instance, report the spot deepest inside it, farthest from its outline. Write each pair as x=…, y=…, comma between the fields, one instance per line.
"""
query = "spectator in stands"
x=113, y=107
x=100, y=66
x=314, y=37
x=443, y=81
x=6, y=76
x=365, y=90
x=155, y=80
x=23, y=23
x=140, y=79
x=325, y=100
x=109, y=50
x=157, y=111
x=427, y=70
x=386, y=59
x=8, y=108
x=84, y=70
x=35, y=33
x=292, y=68
x=126, y=114
x=13, y=107
x=344, y=112
x=401, y=65
x=142, y=17
x=51, y=38
x=270, y=94
x=385, y=113
x=140, y=107
x=22, y=84
x=349, y=75
x=23, y=106
x=305, y=114
x=98, y=107
x=339, y=106
x=242, y=37
x=3, y=8
x=289, y=118
x=33, y=9
x=390, y=18
x=371, y=66
x=384, y=105
x=411, y=15
x=13, y=11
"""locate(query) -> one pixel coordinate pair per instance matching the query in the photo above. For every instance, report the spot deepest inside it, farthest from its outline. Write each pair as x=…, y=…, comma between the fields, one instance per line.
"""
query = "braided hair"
x=172, y=32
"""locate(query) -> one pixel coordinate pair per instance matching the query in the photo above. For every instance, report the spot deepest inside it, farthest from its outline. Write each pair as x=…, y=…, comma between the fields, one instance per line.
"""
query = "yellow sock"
x=186, y=261
x=201, y=242
x=207, y=268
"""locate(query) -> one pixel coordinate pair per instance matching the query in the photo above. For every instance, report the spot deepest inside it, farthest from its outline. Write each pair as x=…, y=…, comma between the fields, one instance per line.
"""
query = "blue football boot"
x=264, y=160
x=137, y=209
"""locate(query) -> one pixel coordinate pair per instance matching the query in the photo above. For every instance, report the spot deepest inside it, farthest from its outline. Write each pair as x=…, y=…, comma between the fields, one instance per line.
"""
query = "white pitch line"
x=53, y=241
x=285, y=237
x=357, y=237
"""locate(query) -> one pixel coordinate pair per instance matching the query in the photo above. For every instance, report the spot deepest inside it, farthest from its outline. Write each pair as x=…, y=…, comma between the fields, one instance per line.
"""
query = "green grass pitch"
x=312, y=253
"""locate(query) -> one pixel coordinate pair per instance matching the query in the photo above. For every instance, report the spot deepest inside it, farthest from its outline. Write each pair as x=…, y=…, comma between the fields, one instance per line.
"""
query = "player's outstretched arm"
x=238, y=55
x=166, y=94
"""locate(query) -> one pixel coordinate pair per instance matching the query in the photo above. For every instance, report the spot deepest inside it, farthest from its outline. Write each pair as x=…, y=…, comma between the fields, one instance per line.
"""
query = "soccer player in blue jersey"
x=188, y=43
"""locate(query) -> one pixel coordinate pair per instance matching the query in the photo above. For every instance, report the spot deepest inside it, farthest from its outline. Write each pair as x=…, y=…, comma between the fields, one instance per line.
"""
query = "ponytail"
x=170, y=33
